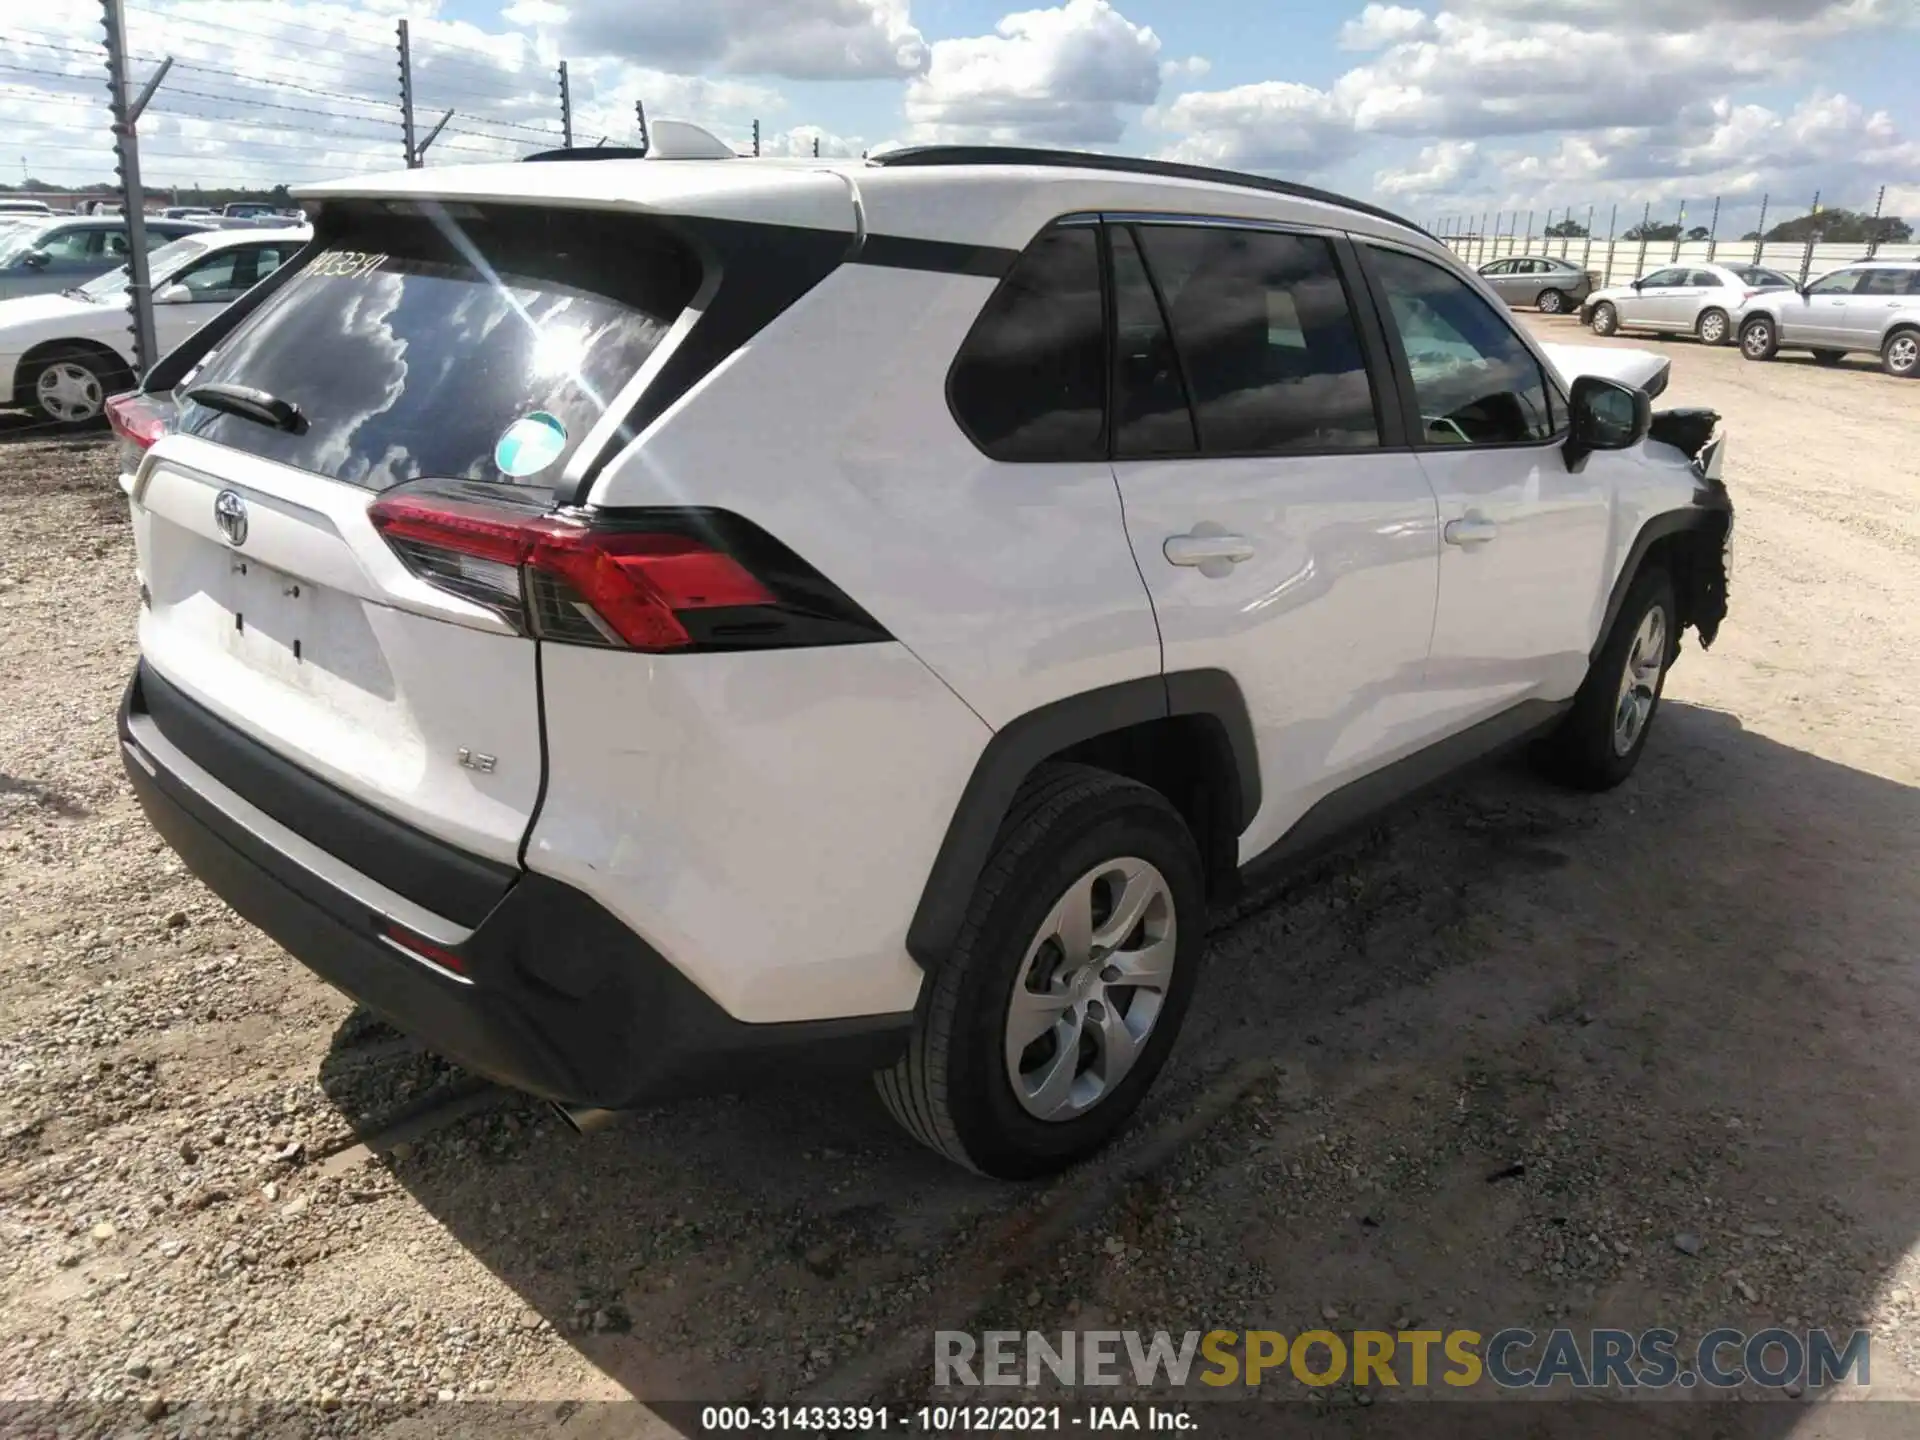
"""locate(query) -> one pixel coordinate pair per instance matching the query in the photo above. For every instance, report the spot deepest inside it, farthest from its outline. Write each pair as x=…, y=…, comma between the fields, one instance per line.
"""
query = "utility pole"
x=566, y=109
x=133, y=197
x=406, y=99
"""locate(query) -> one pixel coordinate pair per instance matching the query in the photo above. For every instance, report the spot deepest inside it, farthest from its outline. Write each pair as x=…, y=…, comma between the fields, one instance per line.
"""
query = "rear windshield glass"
x=1766, y=279
x=471, y=342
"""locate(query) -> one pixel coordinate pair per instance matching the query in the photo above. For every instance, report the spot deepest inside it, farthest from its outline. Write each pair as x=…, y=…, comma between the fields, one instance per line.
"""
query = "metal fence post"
x=566, y=109
x=640, y=119
x=1482, y=238
x=406, y=98
x=1813, y=230
x=1713, y=231
x=1586, y=255
x=126, y=154
x=1760, y=235
x=1679, y=233
x=1527, y=242
x=1613, y=223
x=1646, y=223
x=756, y=139
x=1873, y=233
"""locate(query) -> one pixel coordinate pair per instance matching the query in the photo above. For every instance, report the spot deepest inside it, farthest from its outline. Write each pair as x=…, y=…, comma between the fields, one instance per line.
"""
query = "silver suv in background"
x=1554, y=287
x=1872, y=307
x=1687, y=299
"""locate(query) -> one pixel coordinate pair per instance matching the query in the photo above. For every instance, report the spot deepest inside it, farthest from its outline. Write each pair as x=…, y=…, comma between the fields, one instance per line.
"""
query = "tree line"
x=1836, y=226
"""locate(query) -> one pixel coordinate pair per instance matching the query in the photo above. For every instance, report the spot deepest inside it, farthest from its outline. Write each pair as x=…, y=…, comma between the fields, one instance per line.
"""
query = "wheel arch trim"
x=1014, y=751
x=1711, y=511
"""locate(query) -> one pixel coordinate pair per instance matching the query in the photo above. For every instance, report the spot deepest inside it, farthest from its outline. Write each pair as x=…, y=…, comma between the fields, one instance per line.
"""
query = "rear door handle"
x=1470, y=530
x=1212, y=555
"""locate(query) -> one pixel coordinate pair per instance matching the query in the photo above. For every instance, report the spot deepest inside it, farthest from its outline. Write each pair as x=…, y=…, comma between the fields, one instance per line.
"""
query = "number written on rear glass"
x=346, y=264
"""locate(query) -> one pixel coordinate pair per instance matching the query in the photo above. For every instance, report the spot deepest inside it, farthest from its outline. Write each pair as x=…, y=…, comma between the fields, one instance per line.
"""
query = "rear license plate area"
x=270, y=613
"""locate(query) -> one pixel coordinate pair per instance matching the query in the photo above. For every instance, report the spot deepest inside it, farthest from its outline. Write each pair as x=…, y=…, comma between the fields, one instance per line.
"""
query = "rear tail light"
x=652, y=580
x=139, y=420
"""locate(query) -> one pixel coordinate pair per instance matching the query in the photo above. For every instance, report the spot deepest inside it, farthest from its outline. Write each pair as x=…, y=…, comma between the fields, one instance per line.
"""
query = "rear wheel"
x=1599, y=742
x=1552, y=302
x=1713, y=327
x=70, y=387
x=1758, y=339
x=1606, y=319
x=1037, y=1037
x=1901, y=354
x=1828, y=357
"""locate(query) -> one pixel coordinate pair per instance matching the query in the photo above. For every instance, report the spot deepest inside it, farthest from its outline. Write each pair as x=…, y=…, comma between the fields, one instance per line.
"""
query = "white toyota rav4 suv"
x=639, y=624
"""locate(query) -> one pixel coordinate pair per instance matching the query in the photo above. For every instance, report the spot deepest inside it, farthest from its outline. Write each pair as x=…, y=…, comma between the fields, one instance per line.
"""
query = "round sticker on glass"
x=530, y=444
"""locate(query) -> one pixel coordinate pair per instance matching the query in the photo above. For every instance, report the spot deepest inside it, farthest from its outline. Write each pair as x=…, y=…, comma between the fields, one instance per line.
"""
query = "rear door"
x=414, y=353
x=1280, y=537
x=1875, y=299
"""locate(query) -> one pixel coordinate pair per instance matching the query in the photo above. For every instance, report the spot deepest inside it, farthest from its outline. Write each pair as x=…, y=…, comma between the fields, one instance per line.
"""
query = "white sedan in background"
x=1685, y=299
x=62, y=355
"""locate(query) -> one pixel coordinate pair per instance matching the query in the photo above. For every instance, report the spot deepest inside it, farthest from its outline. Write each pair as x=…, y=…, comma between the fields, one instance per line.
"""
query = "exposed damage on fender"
x=1697, y=553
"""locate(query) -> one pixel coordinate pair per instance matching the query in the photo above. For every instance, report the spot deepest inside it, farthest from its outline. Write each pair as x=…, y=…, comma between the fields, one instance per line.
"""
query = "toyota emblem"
x=230, y=514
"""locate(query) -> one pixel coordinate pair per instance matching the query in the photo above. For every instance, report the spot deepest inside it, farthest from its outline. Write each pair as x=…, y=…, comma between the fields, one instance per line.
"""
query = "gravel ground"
x=1514, y=1057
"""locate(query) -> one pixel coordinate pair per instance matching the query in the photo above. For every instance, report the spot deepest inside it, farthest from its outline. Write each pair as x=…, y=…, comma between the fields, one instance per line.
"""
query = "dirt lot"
x=1679, y=1020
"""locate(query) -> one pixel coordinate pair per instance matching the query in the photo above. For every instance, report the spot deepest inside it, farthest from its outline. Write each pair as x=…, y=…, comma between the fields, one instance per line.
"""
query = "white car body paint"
x=767, y=820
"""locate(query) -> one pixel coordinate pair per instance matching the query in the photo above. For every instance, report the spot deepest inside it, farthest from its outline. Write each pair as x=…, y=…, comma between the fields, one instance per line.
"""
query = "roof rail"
x=589, y=152
x=929, y=155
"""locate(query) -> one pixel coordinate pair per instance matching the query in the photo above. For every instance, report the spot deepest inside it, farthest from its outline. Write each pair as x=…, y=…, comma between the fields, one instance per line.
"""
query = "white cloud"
x=798, y=39
x=1059, y=76
x=1272, y=125
x=1441, y=168
x=1378, y=26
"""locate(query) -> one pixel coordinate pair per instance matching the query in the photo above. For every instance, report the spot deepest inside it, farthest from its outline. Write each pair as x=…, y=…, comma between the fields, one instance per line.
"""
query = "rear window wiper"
x=251, y=404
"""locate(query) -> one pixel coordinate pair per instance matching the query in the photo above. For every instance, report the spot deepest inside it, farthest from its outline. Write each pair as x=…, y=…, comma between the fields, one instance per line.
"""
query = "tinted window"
x=1883, y=282
x=1151, y=416
x=69, y=244
x=1030, y=381
x=411, y=345
x=1266, y=339
x=1706, y=278
x=1498, y=267
x=1766, y=279
x=230, y=274
x=1475, y=382
x=1665, y=277
x=1841, y=282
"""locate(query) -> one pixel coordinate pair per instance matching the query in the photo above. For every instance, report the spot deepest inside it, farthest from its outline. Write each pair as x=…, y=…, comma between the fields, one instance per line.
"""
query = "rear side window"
x=414, y=345
x=1884, y=282
x=1267, y=338
x=1029, y=383
x=1841, y=282
x=1476, y=383
x=1151, y=415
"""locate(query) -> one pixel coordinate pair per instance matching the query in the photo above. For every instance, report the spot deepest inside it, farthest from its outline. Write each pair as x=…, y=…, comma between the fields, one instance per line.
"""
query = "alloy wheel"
x=1092, y=985
x=1640, y=681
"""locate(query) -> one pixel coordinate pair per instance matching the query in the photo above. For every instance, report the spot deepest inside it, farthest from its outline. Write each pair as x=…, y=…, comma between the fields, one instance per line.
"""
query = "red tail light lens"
x=139, y=420
x=650, y=580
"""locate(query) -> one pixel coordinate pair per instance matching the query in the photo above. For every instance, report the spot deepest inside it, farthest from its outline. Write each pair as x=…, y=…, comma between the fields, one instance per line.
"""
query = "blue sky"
x=1437, y=107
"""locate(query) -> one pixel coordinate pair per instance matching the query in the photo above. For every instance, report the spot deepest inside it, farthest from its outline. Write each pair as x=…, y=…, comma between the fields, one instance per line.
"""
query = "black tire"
x=1583, y=751
x=1606, y=319
x=108, y=376
x=1828, y=357
x=1714, y=327
x=1759, y=340
x=1900, y=355
x=952, y=1090
x=1552, y=302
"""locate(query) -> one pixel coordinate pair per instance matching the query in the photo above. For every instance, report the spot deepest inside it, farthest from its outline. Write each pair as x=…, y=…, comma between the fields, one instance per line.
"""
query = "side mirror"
x=175, y=294
x=34, y=260
x=1605, y=415
x=1638, y=283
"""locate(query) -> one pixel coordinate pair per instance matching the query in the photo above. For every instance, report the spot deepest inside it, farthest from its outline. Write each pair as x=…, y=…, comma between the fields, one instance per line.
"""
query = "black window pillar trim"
x=1014, y=751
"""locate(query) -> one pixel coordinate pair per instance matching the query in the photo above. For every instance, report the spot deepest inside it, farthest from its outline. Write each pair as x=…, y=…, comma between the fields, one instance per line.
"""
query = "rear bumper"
x=556, y=996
